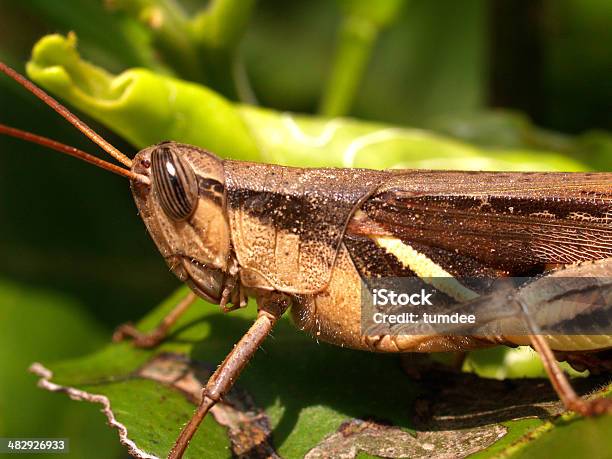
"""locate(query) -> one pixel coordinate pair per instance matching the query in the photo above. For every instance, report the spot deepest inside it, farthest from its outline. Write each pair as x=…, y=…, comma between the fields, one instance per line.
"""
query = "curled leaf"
x=147, y=108
x=140, y=105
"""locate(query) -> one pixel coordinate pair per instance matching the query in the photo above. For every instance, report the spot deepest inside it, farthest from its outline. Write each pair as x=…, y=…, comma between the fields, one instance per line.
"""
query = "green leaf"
x=41, y=325
x=568, y=437
x=147, y=108
x=366, y=401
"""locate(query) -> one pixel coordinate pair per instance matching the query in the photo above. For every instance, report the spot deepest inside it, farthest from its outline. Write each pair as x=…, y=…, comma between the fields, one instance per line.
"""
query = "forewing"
x=475, y=222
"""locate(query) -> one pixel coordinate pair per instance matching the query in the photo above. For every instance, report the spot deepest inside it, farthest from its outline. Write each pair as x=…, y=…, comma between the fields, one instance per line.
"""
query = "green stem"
x=355, y=43
x=223, y=23
x=202, y=48
x=171, y=33
x=218, y=31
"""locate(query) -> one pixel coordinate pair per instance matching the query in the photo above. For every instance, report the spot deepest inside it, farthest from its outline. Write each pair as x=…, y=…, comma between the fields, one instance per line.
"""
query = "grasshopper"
x=304, y=239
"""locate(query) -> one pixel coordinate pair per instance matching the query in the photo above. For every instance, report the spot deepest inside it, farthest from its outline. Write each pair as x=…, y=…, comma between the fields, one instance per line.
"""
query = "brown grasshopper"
x=306, y=238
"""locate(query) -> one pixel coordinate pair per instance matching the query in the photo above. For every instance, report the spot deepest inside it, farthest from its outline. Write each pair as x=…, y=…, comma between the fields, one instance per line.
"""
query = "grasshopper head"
x=180, y=193
x=184, y=211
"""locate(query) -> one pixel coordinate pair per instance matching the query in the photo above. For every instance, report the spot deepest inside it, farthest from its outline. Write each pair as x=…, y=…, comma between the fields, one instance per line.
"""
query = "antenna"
x=69, y=116
x=72, y=151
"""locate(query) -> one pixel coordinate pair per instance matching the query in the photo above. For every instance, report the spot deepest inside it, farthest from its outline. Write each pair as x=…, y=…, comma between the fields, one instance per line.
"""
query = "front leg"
x=271, y=308
x=157, y=335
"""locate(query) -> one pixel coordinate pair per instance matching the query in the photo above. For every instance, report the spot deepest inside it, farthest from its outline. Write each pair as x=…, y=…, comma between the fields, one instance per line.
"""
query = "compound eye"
x=176, y=183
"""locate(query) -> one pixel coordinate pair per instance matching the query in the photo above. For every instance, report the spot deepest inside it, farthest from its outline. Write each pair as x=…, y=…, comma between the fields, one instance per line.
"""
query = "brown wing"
x=471, y=222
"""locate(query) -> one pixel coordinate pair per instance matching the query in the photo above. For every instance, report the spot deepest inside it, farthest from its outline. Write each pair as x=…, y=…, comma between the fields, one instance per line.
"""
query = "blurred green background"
x=75, y=259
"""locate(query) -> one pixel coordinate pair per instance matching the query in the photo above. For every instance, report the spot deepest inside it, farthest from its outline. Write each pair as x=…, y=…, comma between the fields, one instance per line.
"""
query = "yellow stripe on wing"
x=428, y=270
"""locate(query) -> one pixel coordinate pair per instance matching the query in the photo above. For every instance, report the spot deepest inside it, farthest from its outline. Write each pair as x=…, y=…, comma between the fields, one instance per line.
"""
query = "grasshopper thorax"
x=184, y=211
